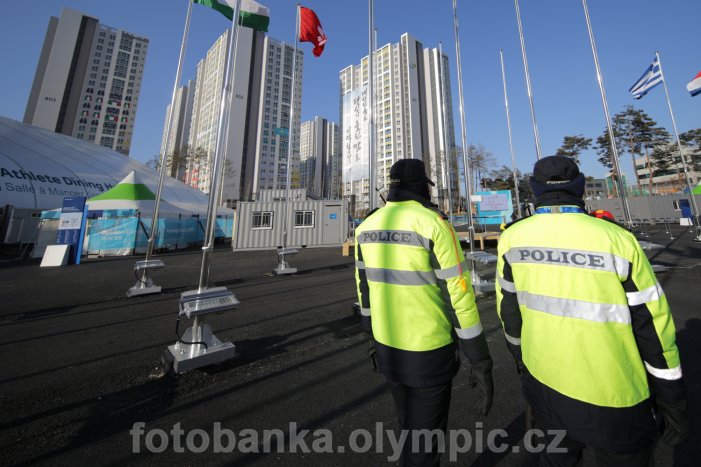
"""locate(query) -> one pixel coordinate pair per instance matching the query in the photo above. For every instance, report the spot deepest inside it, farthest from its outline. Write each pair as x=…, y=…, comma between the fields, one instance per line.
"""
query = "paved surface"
x=81, y=364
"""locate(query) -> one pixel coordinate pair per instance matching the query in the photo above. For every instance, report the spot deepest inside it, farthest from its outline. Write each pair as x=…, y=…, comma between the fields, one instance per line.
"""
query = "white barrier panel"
x=55, y=255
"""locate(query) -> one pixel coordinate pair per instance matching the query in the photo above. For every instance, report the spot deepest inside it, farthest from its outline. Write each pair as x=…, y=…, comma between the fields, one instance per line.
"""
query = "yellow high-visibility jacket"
x=580, y=303
x=413, y=281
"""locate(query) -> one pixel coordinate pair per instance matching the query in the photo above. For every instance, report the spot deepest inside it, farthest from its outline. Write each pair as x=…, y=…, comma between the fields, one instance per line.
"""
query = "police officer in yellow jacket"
x=589, y=327
x=417, y=301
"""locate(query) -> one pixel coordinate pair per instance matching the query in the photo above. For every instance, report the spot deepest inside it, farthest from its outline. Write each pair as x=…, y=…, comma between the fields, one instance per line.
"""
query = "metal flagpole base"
x=482, y=257
x=697, y=239
x=283, y=267
x=650, y=246
x=480, y=285
x=186, y=357
x=145, y=285
x=199, y=346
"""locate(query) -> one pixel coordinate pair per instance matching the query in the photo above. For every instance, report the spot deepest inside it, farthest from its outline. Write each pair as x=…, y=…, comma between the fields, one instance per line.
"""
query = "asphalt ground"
x=81, y=367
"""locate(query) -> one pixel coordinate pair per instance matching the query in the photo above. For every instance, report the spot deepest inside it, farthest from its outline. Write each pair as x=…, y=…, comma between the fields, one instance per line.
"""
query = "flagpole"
x=145, y=285
x=528, y=81
x=283, y=267
x=508, y=124
x=463, y=132
x=227, y=122
x=444, y=122
x=612, y=136
x=371, y=121
x=681, y=154
x=218, y=154
x=375, y=111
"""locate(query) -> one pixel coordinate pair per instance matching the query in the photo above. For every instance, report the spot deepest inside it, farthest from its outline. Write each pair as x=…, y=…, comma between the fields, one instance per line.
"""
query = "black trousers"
x=423, y=409
x=643, y=457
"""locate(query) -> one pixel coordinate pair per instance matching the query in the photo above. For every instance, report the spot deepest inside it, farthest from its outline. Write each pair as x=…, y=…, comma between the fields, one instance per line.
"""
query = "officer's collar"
x=397, y=194
x=559, y=210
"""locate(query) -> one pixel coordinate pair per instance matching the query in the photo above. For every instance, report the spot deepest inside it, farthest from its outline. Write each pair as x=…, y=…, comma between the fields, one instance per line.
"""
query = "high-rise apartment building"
x=240, y=134
x=320, y=158
x=87, y=81
x=259, y=121
x=413, y=118
x=276, y=119
x=176, y=148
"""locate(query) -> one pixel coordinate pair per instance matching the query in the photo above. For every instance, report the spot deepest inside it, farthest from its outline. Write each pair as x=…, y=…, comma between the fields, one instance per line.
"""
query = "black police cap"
x=557, y=173
x=407, y=171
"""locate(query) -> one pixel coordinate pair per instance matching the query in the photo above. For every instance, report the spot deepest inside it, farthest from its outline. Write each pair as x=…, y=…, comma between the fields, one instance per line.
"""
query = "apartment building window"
x=262, y=220
x=304, y=218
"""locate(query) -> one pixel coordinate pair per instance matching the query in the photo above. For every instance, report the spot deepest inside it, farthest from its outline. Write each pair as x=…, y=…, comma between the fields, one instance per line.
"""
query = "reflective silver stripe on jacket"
x=650, y=294
x=400, y=237
x=570, y=308
x=663, y=373
x=506, y=285
x=365, y=311
x=454, y=271
x=360, y=264
x=469, y=333
x=596, y=260
x=512, y=340
x=393, y=276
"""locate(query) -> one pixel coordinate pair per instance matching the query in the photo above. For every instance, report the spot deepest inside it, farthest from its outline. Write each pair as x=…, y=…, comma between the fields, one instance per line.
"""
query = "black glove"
x=530, y=417
x=372, y=356
x=675, y=423
x=518, y=359
x=481, y=379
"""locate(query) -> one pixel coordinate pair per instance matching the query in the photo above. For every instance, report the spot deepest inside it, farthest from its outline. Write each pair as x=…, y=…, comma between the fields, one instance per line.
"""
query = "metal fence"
x=643, y=207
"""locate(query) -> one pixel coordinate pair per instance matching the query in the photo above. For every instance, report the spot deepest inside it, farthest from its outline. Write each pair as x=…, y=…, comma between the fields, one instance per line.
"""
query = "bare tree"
x=481, y=161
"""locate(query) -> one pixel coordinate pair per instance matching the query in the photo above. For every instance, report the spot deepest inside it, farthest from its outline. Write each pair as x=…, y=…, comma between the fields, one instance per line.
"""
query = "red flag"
x=310, y=30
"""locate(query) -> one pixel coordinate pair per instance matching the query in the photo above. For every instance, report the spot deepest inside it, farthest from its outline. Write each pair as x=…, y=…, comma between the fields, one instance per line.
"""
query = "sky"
x=566, y=95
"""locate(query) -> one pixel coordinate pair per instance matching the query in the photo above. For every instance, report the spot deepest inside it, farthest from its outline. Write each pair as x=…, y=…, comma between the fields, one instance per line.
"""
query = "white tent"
x=38, y=168
x=132, y=194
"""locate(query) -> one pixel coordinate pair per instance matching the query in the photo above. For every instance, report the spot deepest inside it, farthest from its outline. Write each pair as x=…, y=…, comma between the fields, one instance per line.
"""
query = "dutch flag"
x=651, y=78
x=695, y=86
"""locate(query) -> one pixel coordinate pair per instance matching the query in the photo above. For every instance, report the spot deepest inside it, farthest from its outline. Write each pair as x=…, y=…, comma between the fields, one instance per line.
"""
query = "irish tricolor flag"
x=253, y=14
x=695, y=86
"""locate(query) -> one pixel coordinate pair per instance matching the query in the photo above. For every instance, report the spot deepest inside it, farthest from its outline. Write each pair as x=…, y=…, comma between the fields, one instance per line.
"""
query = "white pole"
x=290, y=139
x=218, y=153
x=375, y=113
x=612, y=136
x=444, y=121
x=463, y=128
x=681, y=154
x=528, y=81
x=227, y=121
x=372, y=169
x=447, y=178
x=508, y=124
x=161, y=179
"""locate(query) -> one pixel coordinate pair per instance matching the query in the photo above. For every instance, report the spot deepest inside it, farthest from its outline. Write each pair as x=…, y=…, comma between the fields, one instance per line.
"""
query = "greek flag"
x=651, y=78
